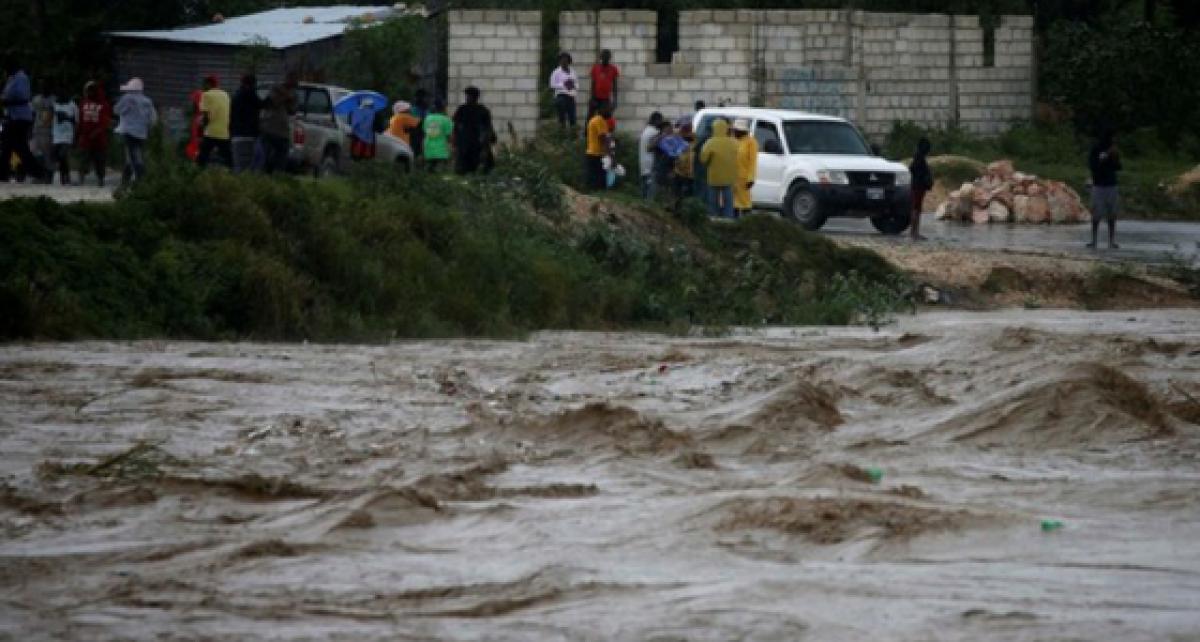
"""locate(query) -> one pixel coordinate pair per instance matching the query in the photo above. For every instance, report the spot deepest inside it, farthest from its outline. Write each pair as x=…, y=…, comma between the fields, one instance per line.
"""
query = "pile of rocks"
x=1003, y=195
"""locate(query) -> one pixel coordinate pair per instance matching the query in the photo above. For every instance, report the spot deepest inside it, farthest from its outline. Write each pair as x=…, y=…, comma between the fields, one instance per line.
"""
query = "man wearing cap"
x=403, y=123
x=136, y=115
x=214, y=113
x=747, y=165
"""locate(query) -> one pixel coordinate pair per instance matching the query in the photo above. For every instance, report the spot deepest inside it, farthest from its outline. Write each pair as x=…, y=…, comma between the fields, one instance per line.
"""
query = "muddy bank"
x=975, y=278
x=831, y=483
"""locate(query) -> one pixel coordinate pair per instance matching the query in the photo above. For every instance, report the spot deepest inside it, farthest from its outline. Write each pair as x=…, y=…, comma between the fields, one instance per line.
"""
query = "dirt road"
x=612, y=486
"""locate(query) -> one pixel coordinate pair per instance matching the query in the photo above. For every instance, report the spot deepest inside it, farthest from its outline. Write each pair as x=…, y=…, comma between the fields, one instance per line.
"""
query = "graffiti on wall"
x=822, y=90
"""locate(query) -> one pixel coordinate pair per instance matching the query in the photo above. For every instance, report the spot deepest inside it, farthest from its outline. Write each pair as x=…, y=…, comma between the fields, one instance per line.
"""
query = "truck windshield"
x=822, y=137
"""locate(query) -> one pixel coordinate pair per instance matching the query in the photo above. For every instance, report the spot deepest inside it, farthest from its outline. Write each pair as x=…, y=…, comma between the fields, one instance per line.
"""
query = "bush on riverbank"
x=376, y=255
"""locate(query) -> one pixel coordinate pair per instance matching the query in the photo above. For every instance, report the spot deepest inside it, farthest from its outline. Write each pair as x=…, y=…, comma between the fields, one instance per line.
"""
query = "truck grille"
x=872, y=179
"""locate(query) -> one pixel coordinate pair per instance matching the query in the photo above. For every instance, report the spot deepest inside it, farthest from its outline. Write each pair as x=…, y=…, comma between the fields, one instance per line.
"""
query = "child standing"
x=66, y=119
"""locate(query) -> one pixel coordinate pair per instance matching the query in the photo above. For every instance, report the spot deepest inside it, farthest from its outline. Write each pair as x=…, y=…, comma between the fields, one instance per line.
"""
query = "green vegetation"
x=380, y=56
x=378, y=255
x=1057, y=152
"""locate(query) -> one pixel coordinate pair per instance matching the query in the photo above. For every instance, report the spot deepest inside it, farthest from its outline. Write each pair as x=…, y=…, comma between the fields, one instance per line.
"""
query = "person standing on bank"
x=18, y=123
x=922, y=182
x=437, y=128
x=720, y=157
x=604, y=84
x=747, y=162
x=646, y=154
x=136, y=115
x=564, y=83
x=95, y=116
x=276, y=123
x=62, y=136
x=1104, y=163
x=362, y=131
x=473, y=133
x=42, y=144
x=244, y=123
x=214, y=112
x=597, y=148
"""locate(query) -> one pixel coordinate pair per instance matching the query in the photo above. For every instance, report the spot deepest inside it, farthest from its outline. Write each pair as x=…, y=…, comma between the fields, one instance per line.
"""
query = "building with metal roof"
x=298, y=39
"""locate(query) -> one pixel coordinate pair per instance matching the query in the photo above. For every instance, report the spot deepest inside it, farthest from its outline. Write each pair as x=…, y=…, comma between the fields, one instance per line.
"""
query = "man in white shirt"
x=564, y=83
x=646, y=154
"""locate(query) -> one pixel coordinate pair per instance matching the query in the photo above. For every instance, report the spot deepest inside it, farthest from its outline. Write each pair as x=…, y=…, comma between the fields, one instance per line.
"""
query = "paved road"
x=1140, y=241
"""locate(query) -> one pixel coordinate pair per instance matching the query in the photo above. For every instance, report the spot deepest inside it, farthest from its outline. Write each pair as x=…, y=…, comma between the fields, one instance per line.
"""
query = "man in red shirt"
x=604, y=84
x=95, y=117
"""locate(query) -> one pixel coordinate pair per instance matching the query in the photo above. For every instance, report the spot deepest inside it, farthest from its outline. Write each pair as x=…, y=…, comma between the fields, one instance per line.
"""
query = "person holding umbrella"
x=360, y=108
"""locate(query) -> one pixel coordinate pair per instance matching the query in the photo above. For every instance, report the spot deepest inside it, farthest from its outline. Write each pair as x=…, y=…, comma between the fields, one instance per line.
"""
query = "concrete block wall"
x=874, y=68
x=500, y=53
x=991, y=98
x=905, y=70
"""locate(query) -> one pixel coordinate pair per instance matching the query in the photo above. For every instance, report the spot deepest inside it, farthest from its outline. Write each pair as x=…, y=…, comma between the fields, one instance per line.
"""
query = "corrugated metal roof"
x=281, y=28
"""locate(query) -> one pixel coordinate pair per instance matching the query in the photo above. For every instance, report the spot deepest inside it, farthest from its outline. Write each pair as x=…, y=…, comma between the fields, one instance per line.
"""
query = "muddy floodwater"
x=1011, y=475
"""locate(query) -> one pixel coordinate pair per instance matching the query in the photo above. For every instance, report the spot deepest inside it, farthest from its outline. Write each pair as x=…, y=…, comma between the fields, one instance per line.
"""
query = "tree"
x=380, y=56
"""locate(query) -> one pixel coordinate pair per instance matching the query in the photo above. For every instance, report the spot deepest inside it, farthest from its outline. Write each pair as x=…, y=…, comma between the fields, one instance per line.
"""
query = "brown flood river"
x=1017, y=475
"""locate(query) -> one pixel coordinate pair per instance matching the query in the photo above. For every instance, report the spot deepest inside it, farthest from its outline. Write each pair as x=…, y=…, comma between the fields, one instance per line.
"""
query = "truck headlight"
x=903, y=179
x=832, y=177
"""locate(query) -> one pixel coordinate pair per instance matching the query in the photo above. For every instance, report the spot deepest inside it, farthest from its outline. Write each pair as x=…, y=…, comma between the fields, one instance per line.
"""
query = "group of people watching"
x=720, y=170
x=44, y=130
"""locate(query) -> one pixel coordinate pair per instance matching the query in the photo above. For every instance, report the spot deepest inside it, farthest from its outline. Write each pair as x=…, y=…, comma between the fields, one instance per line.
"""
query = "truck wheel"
x=803, y=207
x=892, y=222
x=328, y=165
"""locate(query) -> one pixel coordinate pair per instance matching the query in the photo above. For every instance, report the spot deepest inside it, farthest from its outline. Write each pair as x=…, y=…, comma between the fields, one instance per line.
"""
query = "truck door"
x=772, y=162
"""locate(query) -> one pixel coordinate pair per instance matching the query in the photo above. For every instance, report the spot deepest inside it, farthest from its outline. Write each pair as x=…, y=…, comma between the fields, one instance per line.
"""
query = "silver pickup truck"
x=321, y=140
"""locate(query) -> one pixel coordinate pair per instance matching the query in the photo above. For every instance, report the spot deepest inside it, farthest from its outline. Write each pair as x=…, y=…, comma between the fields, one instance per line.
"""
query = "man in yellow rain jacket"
x=747, y=167
x=719, y=156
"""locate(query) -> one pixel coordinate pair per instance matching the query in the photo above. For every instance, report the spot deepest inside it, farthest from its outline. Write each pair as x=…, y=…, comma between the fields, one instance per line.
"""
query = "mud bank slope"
x=832, y=483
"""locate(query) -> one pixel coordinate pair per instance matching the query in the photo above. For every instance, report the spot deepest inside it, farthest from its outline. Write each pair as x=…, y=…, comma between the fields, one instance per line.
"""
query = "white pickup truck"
x=812, y=167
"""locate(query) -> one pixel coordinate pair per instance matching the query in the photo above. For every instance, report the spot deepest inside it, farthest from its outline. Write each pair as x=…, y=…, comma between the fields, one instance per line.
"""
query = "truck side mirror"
x=772, y=146
x=876, y=151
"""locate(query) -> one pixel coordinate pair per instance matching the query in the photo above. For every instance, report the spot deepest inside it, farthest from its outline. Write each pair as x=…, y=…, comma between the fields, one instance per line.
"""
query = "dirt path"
x=612, y=486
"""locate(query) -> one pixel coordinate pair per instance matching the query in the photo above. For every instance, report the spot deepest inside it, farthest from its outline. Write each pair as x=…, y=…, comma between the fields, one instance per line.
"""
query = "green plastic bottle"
x=876, y=475
x=1050, y=525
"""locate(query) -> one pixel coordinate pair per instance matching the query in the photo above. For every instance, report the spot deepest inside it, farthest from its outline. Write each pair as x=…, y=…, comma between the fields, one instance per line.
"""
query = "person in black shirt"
x=244, y=124
x=922, y=182
x=473, y=134
x=1104, y=163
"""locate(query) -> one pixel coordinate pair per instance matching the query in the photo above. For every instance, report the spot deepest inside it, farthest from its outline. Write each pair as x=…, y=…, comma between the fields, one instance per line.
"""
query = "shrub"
x=377, y=255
